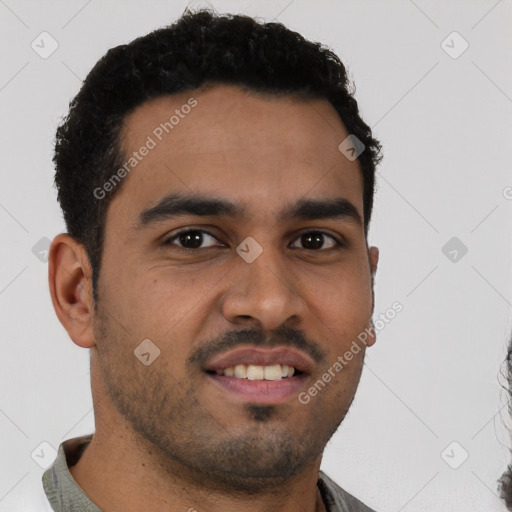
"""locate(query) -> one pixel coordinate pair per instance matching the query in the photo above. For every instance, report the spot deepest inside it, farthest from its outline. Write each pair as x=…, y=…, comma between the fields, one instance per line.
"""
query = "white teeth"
x=255, y=372
x=258, y=372
x=241, y=371
x=272, y=372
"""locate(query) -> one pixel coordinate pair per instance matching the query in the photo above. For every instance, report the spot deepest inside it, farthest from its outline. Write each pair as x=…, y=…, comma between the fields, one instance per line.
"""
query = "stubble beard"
x=188, y=442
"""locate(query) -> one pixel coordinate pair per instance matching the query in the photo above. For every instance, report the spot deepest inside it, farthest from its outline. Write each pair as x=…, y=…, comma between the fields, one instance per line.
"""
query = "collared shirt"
x=63, y=494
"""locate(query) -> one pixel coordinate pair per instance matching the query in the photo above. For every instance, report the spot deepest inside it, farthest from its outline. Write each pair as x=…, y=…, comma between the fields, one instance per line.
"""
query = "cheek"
x=344, y=303
x=167, y=306
x=172, y=293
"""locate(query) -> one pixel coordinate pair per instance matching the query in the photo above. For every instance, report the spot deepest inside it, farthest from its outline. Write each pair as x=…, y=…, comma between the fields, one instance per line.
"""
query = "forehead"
x=229, y=142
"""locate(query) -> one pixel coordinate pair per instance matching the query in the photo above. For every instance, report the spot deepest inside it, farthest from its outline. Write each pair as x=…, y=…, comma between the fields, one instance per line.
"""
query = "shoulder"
x=337, y=499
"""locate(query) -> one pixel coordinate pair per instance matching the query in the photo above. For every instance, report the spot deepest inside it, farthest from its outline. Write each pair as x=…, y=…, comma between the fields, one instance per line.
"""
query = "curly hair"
x=200, y=49
x=505, y=482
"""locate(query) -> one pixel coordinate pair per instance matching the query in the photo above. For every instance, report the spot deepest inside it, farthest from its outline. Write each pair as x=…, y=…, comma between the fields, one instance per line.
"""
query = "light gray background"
x=445, y=124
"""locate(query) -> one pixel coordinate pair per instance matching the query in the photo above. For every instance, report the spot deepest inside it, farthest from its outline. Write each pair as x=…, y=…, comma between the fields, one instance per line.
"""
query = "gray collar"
x=65, y=495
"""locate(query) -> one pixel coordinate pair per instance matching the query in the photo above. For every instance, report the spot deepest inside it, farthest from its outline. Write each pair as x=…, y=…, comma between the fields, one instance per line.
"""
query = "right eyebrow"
x=174, y=205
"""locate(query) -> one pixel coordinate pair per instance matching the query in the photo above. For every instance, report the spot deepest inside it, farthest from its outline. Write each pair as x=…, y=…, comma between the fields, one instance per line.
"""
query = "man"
x=217, y=184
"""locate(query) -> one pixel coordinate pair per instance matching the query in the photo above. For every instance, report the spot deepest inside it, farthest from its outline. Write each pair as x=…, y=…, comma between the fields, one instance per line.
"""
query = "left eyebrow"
x=175, y=205
x=311, y=209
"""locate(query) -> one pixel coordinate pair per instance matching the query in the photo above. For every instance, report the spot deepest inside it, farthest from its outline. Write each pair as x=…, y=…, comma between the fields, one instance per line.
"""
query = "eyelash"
x=168, y=241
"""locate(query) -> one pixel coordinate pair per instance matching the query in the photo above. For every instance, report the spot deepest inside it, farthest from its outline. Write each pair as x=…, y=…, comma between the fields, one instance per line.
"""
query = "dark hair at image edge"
x=198, y=50
x=505, y=482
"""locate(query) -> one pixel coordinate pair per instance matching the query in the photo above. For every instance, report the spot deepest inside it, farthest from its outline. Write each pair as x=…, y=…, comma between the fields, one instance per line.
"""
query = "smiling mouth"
x=272, y=372
x=260, y=376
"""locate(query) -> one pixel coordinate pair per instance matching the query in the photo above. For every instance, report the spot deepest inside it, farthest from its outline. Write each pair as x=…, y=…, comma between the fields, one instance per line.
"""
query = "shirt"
x=62, y=493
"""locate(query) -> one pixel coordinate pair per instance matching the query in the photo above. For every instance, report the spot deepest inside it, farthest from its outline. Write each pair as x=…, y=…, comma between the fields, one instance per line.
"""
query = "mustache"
x=283, y=336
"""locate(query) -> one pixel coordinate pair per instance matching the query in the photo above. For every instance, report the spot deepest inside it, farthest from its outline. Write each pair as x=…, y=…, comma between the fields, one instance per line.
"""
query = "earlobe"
x=373, y=255
x=372, y=334
x=69, y=279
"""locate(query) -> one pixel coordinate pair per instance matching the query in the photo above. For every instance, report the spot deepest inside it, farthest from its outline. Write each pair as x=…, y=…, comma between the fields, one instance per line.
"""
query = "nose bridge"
x=263, y=289
x=267, y=273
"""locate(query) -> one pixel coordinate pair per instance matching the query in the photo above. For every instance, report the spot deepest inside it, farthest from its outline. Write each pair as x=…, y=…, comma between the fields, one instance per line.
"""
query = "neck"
x=120, y=472
x=118, y=476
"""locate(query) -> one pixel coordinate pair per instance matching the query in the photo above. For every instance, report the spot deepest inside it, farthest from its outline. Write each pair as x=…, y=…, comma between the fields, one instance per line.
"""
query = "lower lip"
x=261, y=391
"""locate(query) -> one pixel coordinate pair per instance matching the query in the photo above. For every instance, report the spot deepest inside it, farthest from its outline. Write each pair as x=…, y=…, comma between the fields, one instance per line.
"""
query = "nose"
x=263, y=292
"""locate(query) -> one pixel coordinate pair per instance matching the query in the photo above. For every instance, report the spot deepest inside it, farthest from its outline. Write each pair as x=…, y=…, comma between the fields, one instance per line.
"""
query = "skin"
x=166, y=438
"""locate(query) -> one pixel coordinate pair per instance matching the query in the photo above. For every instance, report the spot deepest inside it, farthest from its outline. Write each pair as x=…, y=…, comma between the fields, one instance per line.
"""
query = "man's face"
x=301, y=301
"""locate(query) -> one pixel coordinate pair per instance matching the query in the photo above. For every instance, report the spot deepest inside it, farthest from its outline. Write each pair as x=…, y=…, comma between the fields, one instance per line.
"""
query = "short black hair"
x=200, y=49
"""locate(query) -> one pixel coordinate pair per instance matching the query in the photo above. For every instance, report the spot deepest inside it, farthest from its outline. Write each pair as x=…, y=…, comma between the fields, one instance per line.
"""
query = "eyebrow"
x=176, y=205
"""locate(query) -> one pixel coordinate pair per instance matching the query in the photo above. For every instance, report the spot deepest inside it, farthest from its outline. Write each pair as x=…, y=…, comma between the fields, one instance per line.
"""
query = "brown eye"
x=315, y=240
x=192, y=239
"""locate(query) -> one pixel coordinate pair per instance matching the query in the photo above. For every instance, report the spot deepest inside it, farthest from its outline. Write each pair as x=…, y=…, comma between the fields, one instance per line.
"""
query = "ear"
x=70, y=281
x=373, y=258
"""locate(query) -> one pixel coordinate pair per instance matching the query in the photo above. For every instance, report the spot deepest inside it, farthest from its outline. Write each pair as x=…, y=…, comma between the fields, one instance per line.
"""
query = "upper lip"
x=262, y=357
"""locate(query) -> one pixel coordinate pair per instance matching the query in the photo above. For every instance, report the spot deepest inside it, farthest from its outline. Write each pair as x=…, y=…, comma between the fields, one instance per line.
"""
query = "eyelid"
x=340, y=242
x=170, y=238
